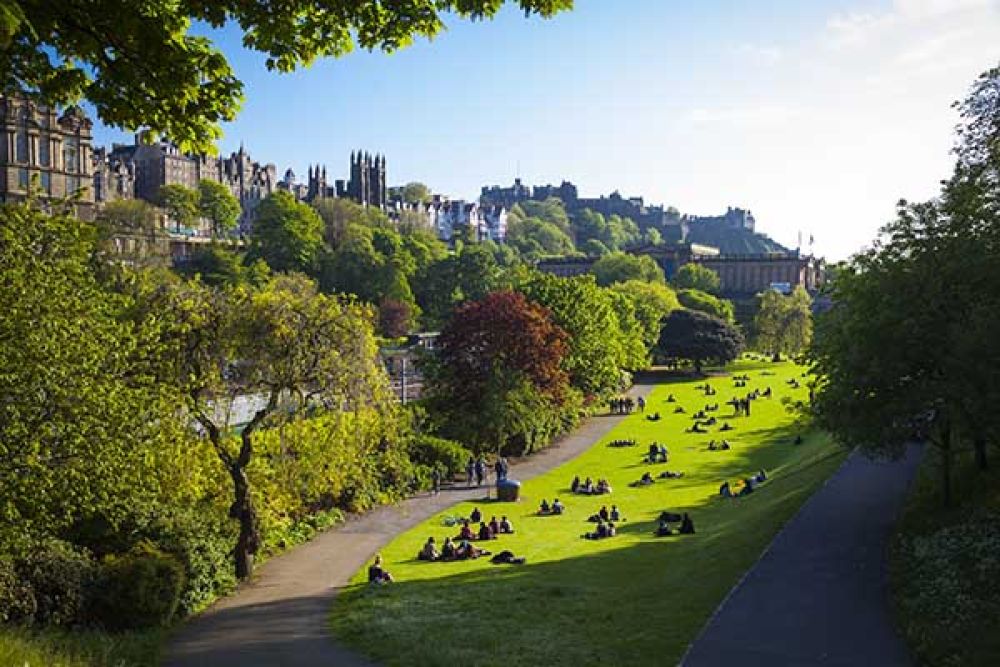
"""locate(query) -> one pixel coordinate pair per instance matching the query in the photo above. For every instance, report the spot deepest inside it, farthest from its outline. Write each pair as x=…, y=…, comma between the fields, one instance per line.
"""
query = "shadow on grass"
x=634, y=599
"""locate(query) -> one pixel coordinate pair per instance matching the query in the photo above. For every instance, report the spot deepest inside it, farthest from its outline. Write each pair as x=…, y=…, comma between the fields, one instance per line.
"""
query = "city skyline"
x=816, y=118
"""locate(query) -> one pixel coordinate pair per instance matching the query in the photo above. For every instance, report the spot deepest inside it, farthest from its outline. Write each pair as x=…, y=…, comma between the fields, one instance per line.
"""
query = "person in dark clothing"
x=480, y=471
x=604, y=514
x=575, y=484
x=466, y=532
x=476, y=515
x=494, y=526
x=377, y=574
x=687, y=525
x=448, y=549
x=470, y=470
x=484, y=531
x=505, y=525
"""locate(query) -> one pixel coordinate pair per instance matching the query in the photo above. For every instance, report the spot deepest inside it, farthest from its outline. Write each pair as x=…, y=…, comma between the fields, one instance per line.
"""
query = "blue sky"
x=818, y=116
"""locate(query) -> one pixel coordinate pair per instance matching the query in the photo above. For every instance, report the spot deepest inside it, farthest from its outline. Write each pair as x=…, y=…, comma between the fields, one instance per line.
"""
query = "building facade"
x=44, y=153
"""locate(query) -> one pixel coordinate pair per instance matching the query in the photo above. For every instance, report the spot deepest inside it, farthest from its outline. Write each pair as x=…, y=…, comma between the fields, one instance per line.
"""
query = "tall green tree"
x=180, y=203
x=287, y=234
x=218, y=206
x=783, y=324
x=706, y=303
x=286, y=345
x=140, y=65
x=416, y=193
x=698, y=277
x=619, y=267
x=651, y=302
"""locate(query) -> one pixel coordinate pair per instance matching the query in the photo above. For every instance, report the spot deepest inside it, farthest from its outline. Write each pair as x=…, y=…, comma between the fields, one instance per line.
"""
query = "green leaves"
x=140, y=67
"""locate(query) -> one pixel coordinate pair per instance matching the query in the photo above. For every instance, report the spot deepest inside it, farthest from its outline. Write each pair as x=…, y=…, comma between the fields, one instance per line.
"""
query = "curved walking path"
x=280, y=619
x=819, y=594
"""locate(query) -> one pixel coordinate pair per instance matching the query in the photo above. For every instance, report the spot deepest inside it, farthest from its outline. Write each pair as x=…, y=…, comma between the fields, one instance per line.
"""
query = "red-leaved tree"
x=497, y=373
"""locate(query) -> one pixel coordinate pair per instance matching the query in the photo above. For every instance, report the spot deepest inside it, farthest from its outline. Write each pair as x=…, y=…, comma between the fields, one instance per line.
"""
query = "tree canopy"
x=619, y=267
x=143, y=66
x=783, y=324
x=689, y=335
x=698, y=277
x=287, y=234
x=706, y=303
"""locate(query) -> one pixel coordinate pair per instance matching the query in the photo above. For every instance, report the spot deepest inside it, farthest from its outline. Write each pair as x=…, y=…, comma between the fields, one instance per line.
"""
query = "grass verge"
x=944, y=568
x=634, y=599
x=56, y=648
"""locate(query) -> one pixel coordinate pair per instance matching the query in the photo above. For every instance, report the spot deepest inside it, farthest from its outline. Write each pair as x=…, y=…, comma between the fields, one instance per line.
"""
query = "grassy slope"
x=53, y=648
x=944, y=567
x=634, y=599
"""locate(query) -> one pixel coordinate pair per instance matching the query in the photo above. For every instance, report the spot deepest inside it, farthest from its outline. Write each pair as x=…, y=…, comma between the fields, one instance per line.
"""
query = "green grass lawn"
x=633, y=599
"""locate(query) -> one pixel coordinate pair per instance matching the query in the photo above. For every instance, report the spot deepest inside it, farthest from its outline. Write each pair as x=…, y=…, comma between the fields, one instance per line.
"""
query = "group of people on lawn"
x=749, y=485
x=460, y=547
x=588, y=488
x=625, y=406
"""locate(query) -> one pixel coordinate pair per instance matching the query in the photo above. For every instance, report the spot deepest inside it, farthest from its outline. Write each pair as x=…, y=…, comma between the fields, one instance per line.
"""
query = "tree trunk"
x=979, y=444
x=243, y=510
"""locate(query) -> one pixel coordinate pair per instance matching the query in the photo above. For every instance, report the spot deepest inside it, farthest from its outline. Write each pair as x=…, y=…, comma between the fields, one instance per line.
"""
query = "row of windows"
x=70, y=152
x=45, y=181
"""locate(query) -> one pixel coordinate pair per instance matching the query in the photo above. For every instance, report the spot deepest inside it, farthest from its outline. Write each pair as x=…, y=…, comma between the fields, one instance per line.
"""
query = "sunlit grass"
x=59, y=648
x=633, y=599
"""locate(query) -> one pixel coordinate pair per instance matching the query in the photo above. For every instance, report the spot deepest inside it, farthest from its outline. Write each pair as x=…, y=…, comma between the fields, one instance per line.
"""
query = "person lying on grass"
x=377, y=574
x=507, y=558
x=467, y=551
x=655, y=417
x=429, y=552
x=669, y=474
x=714, y=446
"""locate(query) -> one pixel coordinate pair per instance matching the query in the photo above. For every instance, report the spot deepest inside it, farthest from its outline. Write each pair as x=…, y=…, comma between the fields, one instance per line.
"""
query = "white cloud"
x=760, y=55
x=742, y=115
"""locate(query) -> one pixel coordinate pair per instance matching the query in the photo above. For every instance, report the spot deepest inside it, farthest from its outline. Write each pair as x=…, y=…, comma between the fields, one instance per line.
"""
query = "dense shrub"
x=449, y=456
x=17, y=601
x=137, y=590
x=59, y=576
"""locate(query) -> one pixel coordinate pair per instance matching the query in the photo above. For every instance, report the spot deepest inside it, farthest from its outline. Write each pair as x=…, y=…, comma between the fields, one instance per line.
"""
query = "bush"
x=432, y=452
x=59, y=576
x=17, y=600
x=139, y=589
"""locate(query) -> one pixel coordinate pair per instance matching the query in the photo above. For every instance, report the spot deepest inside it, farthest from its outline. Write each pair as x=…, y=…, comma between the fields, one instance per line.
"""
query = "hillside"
x=732, y=240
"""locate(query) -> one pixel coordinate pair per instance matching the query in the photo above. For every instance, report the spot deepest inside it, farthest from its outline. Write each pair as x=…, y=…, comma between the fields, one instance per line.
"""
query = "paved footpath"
x=280, y=619
x=819, y=595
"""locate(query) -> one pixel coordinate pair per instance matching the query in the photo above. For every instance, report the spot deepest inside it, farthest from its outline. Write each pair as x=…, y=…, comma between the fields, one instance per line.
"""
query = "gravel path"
x=280, y=619
x=819, y=594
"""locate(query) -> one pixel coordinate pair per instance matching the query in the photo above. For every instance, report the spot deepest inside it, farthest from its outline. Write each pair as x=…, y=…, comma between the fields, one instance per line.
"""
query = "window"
x=22, y=178
x=43, y=152
x=70, y=155
x=21, y=150
x=72, y=184
x=46, y=182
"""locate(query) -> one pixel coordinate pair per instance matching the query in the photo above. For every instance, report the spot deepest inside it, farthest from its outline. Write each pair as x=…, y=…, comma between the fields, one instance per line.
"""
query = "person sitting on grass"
x=377, y=574
x=697, y=429
x=557, y=507
x=466, y=532
x=448, y=549
x=645, y=480
x=544, y=507
x=725, y=490
x=476, y=515
x=760, y=477
x=669, y=474
x=575, y=484
x=663, y=529
x=587, y=487
x=484, y=532
x=655, y=417
x=615, y=515
x=602, y=487
x=599, y=533
x=429, y=552
x=494, y=526
x=679, y=410
x=747, y=487
x=506, y=526
x=687, y=525
x=604, y=514
x=726, y=427
x=653, y=452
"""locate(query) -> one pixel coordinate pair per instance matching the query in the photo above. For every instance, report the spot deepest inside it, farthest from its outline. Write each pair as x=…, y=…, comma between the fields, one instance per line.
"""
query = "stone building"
x=367, y=184
x=250, y=182
x=43, y=150
x=743, y=276
x=462, y=219
x=114, y=178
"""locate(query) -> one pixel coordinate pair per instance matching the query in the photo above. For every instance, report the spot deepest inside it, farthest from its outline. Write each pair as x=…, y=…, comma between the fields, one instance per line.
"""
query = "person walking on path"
x=470, y=470
x=436, y=480
x=480, y=469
